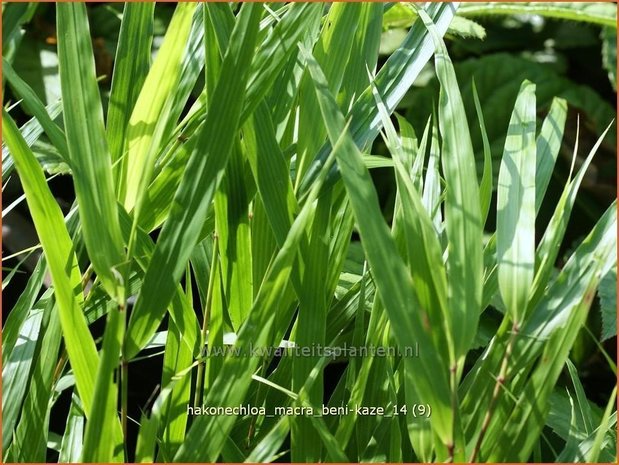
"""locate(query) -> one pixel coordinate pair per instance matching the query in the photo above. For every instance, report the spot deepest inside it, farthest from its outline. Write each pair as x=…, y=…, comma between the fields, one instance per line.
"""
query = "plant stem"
x=500, y=381
x=454, y=409
x=203, y=334
x=124, y=378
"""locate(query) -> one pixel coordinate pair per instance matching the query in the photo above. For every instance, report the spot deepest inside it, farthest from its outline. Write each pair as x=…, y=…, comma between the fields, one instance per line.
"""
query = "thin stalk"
x=60, y=365
x=500, y=381
x=124, y=380
x=454, y=409
x=203, y=334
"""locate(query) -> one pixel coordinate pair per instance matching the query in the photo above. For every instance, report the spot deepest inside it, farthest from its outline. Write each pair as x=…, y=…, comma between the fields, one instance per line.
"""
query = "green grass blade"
x=424, y=252
x=276, y=50
x=31, y=131
x=102, y=441
x=33, y=105
x=59, y=253
x=231, y=202
x=388, y=269
x=364, y=54
x=432, y=189
x=177, y=358
x=30, y=439
x=548, y=145
x=202, y=174
x=550, y=332
x=604, y=428
x=549, y=246
x=131, y=66
x=72, y=439
x=149, y=119
x=462, y=210
x=257, y=332
x=516, y=206
x=311, y=317
x=332, y=52
x=392, y=81
x=19, y=313
x=88, y=154
x=485, y=186
x=271, y=173
x=16, y=371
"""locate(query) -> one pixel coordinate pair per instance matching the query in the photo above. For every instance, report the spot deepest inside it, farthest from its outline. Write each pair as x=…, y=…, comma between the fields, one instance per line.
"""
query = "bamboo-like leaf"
x=392, y=81
x=19, y=313
x=16, y=371
x=364, y=53
x=549, y=333
x=548, y=144
x=34, y=106
x=202, y=174
x=423, y=247
x=255, y=334
x=30, y=131
x=88, y=154
x=549, y=246
x=131, y=66
x=149, y=119
x=177, y=358
x=462, y=208
x=102, y=443
x=58, y=249
x=30, y=438
x=390, y=274
x=485, y=186
x=516, y=206
x=71, y=447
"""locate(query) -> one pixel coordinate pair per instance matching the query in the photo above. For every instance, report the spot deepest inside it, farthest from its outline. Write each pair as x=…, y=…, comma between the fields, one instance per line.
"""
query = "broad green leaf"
x=593, y=12
x=516, y=207
x=402, y=15
x=609, y=53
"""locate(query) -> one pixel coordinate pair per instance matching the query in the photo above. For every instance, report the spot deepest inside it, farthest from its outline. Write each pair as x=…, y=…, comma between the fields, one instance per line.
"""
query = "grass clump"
x=225, y=220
